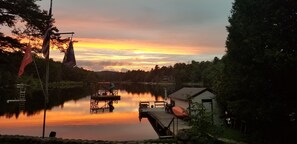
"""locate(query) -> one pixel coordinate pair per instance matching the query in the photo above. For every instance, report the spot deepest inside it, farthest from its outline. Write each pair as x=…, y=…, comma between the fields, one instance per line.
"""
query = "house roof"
x=187, y=93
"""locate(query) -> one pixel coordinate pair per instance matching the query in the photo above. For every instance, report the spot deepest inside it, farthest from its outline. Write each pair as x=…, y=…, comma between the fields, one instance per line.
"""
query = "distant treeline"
x=195, y=72
x=201, y=73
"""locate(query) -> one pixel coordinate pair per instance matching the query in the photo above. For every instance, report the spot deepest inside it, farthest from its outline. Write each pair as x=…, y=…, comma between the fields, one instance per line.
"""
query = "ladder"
x=22, y=96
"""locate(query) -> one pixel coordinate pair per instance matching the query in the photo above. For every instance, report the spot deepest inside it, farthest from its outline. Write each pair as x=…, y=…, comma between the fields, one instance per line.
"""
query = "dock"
x=106, y=97
x=164, y=123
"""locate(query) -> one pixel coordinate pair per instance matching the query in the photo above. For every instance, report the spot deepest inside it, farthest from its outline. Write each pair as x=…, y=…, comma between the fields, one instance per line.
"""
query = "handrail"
x=152, y=104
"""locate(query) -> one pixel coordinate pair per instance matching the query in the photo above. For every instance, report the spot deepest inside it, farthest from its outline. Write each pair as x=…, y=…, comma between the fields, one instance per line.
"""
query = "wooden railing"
x=152, y=104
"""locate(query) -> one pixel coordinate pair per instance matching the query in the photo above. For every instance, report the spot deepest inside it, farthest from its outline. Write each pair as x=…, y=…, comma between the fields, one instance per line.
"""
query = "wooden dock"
x=164, y=123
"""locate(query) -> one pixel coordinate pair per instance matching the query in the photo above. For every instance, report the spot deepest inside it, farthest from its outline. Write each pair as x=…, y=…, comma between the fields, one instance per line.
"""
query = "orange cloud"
x=136, y=47
x=119, y=55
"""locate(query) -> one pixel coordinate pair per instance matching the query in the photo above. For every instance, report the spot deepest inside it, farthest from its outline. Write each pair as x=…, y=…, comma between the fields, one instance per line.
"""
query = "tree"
x=259, y=77
x=16, y=12
x=181, y=73
x=201, y=130
x=211, y=75
x=26, y=20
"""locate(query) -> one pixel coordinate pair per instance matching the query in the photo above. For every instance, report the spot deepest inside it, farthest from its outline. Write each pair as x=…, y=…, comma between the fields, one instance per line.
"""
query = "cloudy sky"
x=123, y=35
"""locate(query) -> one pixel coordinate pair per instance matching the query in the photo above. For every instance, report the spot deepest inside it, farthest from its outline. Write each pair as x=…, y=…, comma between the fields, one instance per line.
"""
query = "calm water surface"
x=74, y=119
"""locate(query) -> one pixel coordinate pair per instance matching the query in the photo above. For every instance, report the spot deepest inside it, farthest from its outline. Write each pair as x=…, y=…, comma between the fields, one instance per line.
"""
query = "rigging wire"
x=33, y=58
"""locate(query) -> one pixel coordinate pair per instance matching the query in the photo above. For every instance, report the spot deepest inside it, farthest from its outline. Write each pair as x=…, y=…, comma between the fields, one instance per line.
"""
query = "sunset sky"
x=123, y=35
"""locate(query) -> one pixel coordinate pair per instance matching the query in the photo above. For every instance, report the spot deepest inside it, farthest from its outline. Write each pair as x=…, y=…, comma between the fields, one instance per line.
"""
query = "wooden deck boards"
x=165, y=124
x=164, y=119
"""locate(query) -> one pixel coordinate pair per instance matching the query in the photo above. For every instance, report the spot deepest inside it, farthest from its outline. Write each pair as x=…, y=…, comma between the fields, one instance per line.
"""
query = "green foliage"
x=65, y=84
x=232, y=134
x=200, y=119
x=10, y=63
x=29, y=80
x=135, y=76
x=8, y=70
x=27, y=11
x=201, y=125
x=25, y=19
x=203, y=131
x=206, y=73
x=16, y=14
x=258, y=81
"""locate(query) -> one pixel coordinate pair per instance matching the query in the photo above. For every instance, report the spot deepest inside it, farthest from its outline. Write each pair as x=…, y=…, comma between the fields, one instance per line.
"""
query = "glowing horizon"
x=139, y=34
x=132, y=55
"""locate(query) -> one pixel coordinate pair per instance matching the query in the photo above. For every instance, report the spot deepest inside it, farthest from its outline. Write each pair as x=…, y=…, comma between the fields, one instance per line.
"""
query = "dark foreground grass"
x=17, y=139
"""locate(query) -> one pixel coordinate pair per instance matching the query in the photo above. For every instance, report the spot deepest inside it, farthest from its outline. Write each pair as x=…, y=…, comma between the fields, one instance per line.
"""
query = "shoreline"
x=16, y=139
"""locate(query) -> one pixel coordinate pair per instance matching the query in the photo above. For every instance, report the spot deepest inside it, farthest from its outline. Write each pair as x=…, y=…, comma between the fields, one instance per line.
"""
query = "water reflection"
x=97, y=106
x=151, y=89
x=69, y=115
x=34, y=101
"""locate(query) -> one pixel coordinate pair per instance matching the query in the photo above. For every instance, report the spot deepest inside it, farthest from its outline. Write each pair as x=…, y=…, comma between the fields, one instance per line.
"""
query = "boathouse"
x=186, y=96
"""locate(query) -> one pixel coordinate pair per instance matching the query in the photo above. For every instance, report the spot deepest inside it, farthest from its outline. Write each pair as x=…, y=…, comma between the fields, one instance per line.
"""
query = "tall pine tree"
x=16, y=14
x=260, y=74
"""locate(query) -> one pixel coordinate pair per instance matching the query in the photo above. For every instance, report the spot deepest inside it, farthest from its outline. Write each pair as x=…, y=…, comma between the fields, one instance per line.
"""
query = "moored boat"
x=180, y=112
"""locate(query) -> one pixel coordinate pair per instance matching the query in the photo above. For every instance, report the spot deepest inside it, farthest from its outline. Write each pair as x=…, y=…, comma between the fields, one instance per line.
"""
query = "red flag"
x=26, y=60
x=46, y=43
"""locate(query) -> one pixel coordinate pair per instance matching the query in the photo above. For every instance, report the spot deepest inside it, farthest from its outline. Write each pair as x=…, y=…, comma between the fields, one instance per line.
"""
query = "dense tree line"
x=10, y=63
x=258, y=80
x=201, y=73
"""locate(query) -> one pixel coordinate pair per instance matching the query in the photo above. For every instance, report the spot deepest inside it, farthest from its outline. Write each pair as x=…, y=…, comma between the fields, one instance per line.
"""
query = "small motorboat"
x=180, y=112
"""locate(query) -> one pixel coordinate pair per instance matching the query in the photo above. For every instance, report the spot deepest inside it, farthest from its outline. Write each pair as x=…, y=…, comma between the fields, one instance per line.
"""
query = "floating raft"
x=106, y=97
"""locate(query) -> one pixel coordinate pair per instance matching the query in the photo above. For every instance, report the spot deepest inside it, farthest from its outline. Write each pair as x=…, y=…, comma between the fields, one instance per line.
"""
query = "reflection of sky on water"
x=73, y=120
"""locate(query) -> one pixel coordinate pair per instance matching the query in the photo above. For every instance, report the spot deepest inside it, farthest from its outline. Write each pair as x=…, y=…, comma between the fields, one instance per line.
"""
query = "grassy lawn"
x=228, y=133
x=234, y=134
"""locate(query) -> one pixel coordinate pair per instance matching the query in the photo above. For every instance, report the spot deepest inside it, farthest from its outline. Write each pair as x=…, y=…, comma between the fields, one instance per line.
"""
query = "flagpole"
x=46, y=96
x=47, y=73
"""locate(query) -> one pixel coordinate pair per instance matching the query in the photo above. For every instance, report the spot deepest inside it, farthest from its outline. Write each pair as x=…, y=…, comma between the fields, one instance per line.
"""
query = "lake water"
x=70, y=116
